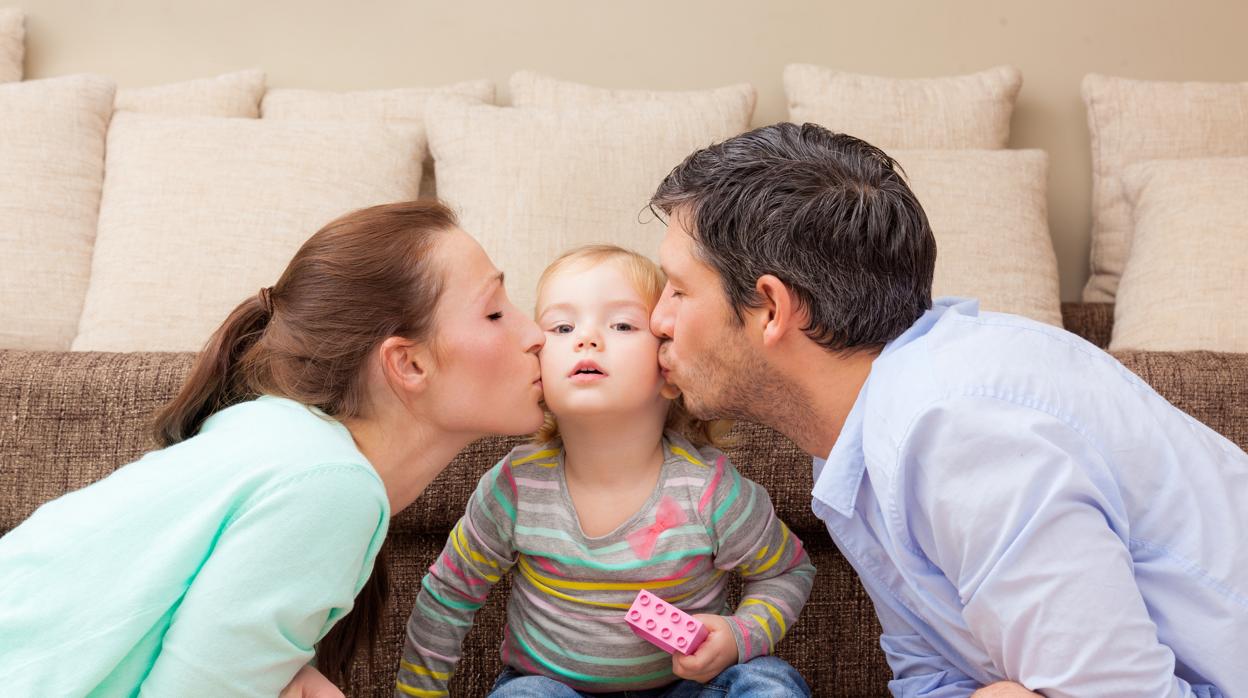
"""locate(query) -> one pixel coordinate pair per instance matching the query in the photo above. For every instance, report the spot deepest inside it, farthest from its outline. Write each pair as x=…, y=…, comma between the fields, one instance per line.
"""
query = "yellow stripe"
x=771, y=642
x=536, y=456
x=460, y=542
x=779, y=550
x=602, y=586
x=548, y=464
x=420, y=692
x=687, y=456
x=423, y=671
x=771, y=609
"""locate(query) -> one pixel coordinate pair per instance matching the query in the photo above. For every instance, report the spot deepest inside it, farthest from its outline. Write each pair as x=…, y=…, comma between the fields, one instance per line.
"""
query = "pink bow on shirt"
x=668, y=515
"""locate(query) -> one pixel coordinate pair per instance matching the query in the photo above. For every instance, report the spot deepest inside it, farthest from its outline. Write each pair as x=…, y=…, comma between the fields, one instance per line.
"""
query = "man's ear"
x=779, y=313
x=405, y=364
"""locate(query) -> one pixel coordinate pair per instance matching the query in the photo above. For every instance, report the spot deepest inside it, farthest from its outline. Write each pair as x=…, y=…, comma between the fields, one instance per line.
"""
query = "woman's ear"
x=405, y=364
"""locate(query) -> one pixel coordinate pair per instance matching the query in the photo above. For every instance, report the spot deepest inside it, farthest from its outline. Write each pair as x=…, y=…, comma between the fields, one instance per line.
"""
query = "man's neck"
x=827, y=385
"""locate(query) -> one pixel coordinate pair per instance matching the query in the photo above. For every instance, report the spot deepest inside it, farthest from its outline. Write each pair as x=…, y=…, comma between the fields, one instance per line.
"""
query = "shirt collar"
x=838, y=477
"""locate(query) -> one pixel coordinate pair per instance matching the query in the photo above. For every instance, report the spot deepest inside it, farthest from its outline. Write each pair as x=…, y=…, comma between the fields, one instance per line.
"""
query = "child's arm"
x=751, y=539
x=477, y=554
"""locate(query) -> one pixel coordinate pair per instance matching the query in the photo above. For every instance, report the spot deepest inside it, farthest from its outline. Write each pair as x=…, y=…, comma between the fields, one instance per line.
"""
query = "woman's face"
x=485, y=378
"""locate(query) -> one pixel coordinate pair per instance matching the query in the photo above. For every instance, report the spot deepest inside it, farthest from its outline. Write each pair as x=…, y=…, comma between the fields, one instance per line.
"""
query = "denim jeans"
x=762, y=676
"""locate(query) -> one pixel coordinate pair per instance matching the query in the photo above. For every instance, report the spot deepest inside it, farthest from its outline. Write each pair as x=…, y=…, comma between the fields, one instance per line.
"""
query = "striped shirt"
x=565, y=616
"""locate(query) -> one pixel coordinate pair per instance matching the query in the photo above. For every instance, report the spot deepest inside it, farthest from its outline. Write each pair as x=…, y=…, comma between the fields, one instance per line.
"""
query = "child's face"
x=599, y=357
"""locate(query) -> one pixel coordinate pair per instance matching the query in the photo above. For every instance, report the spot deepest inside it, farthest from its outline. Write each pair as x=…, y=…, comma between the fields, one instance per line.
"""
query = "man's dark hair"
x=828, y=214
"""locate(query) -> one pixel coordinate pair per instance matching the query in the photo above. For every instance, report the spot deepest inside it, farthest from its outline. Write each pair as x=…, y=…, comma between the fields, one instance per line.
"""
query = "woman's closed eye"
x=495, y=316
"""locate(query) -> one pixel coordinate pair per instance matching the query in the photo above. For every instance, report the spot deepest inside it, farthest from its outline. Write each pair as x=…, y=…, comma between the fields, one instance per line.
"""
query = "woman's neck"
x=605, y=451
x=406, y=453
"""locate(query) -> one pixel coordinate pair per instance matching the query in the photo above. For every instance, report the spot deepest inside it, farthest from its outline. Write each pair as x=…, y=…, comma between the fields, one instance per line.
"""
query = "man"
x=1024, y=512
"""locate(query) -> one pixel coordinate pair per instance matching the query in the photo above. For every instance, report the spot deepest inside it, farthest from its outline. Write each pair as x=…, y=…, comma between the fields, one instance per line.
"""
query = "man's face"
x=705, y=351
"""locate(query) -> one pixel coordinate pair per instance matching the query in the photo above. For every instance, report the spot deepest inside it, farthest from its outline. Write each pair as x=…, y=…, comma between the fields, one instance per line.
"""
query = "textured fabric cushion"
x=199, y=213
x=72, y=418
x=1184, y=284
x=12, y=43
x=401, y=107
x=531, y=182
x=51, y=169
x=965, y=111
x=1135, y=120
x=987, y=209
x=529, y=89
x=233, y=94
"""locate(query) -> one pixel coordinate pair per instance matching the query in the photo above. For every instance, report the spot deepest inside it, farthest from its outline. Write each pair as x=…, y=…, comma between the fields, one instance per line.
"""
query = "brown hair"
x=363, y=278
x=648, y=280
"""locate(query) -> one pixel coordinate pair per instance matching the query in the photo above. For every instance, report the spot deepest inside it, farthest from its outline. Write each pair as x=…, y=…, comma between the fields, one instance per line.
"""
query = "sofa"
x=70, y=418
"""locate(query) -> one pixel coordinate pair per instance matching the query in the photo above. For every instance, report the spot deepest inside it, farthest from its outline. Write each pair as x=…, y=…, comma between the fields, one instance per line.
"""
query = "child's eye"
x=561, y=329
x=623, y=327
x=495, y=316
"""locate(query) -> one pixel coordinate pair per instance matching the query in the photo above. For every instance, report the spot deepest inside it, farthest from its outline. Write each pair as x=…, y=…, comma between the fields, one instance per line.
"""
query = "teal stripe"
x=590, y=659
x=441, y=617
x=464, y=605
x=618, y=566
x=566, y=537
x=585, y=678
x=732, y=497
x=502, y=499
x=749, y=508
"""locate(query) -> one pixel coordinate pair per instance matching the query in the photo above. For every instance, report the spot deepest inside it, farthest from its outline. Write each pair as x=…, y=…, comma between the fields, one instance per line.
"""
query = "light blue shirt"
x=1021, y=506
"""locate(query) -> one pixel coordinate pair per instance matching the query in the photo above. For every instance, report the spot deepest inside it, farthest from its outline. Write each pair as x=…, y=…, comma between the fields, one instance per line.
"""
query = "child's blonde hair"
x=648, y=280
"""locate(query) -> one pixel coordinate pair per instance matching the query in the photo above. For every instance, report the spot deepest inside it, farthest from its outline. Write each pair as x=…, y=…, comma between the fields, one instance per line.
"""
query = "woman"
x=320, y=407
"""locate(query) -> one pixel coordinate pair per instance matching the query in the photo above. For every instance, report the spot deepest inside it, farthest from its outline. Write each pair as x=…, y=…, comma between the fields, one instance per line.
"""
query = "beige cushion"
x=530, y=183
x=51, y=170
x=1186, y=280
x=12, y=44
x=1135, y=120
x=233, y=94
x=987, y=209
x=529, y=89
x=401, y=107
x=199, y=213
x=964, y=111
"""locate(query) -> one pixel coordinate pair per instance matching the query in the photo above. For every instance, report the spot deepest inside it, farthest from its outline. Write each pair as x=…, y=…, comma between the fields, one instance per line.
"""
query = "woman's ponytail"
x=214, y=383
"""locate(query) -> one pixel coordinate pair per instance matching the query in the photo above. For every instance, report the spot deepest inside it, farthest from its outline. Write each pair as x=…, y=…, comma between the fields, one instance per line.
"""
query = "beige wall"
x=670, y=44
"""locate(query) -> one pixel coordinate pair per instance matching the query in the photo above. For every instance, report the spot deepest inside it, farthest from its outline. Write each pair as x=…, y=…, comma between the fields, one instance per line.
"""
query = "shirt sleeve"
x=1024, y=518
x=919, y=670
x=284, y=569
x=752, y=540
x=478, y=552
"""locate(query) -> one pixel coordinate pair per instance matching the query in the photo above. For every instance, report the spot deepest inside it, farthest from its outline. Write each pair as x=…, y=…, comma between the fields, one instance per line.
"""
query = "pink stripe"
x=519, y=657
x=537, y=484
x=511, y=480
x=797, y=554
x=446, y=561
x=543, y=604
x=745, y=635
x=430, y=653
x=683, y=570
x=546, y=565
x=710, y=490
x=715, y=590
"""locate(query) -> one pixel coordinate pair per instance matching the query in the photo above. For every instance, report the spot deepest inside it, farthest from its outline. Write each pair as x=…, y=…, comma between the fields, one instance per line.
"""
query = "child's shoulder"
x=694, y=460
x=537, y=457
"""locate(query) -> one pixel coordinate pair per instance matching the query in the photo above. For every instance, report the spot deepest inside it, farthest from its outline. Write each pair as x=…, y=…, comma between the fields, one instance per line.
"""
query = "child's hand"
x=310, y=683
x=716, y=653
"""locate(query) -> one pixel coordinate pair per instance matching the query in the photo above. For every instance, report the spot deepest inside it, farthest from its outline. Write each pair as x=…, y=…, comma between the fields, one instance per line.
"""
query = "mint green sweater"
x=211, y=567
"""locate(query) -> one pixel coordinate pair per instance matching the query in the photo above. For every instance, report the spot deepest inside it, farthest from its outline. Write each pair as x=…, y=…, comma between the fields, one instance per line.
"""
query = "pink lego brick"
x=664, y=625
